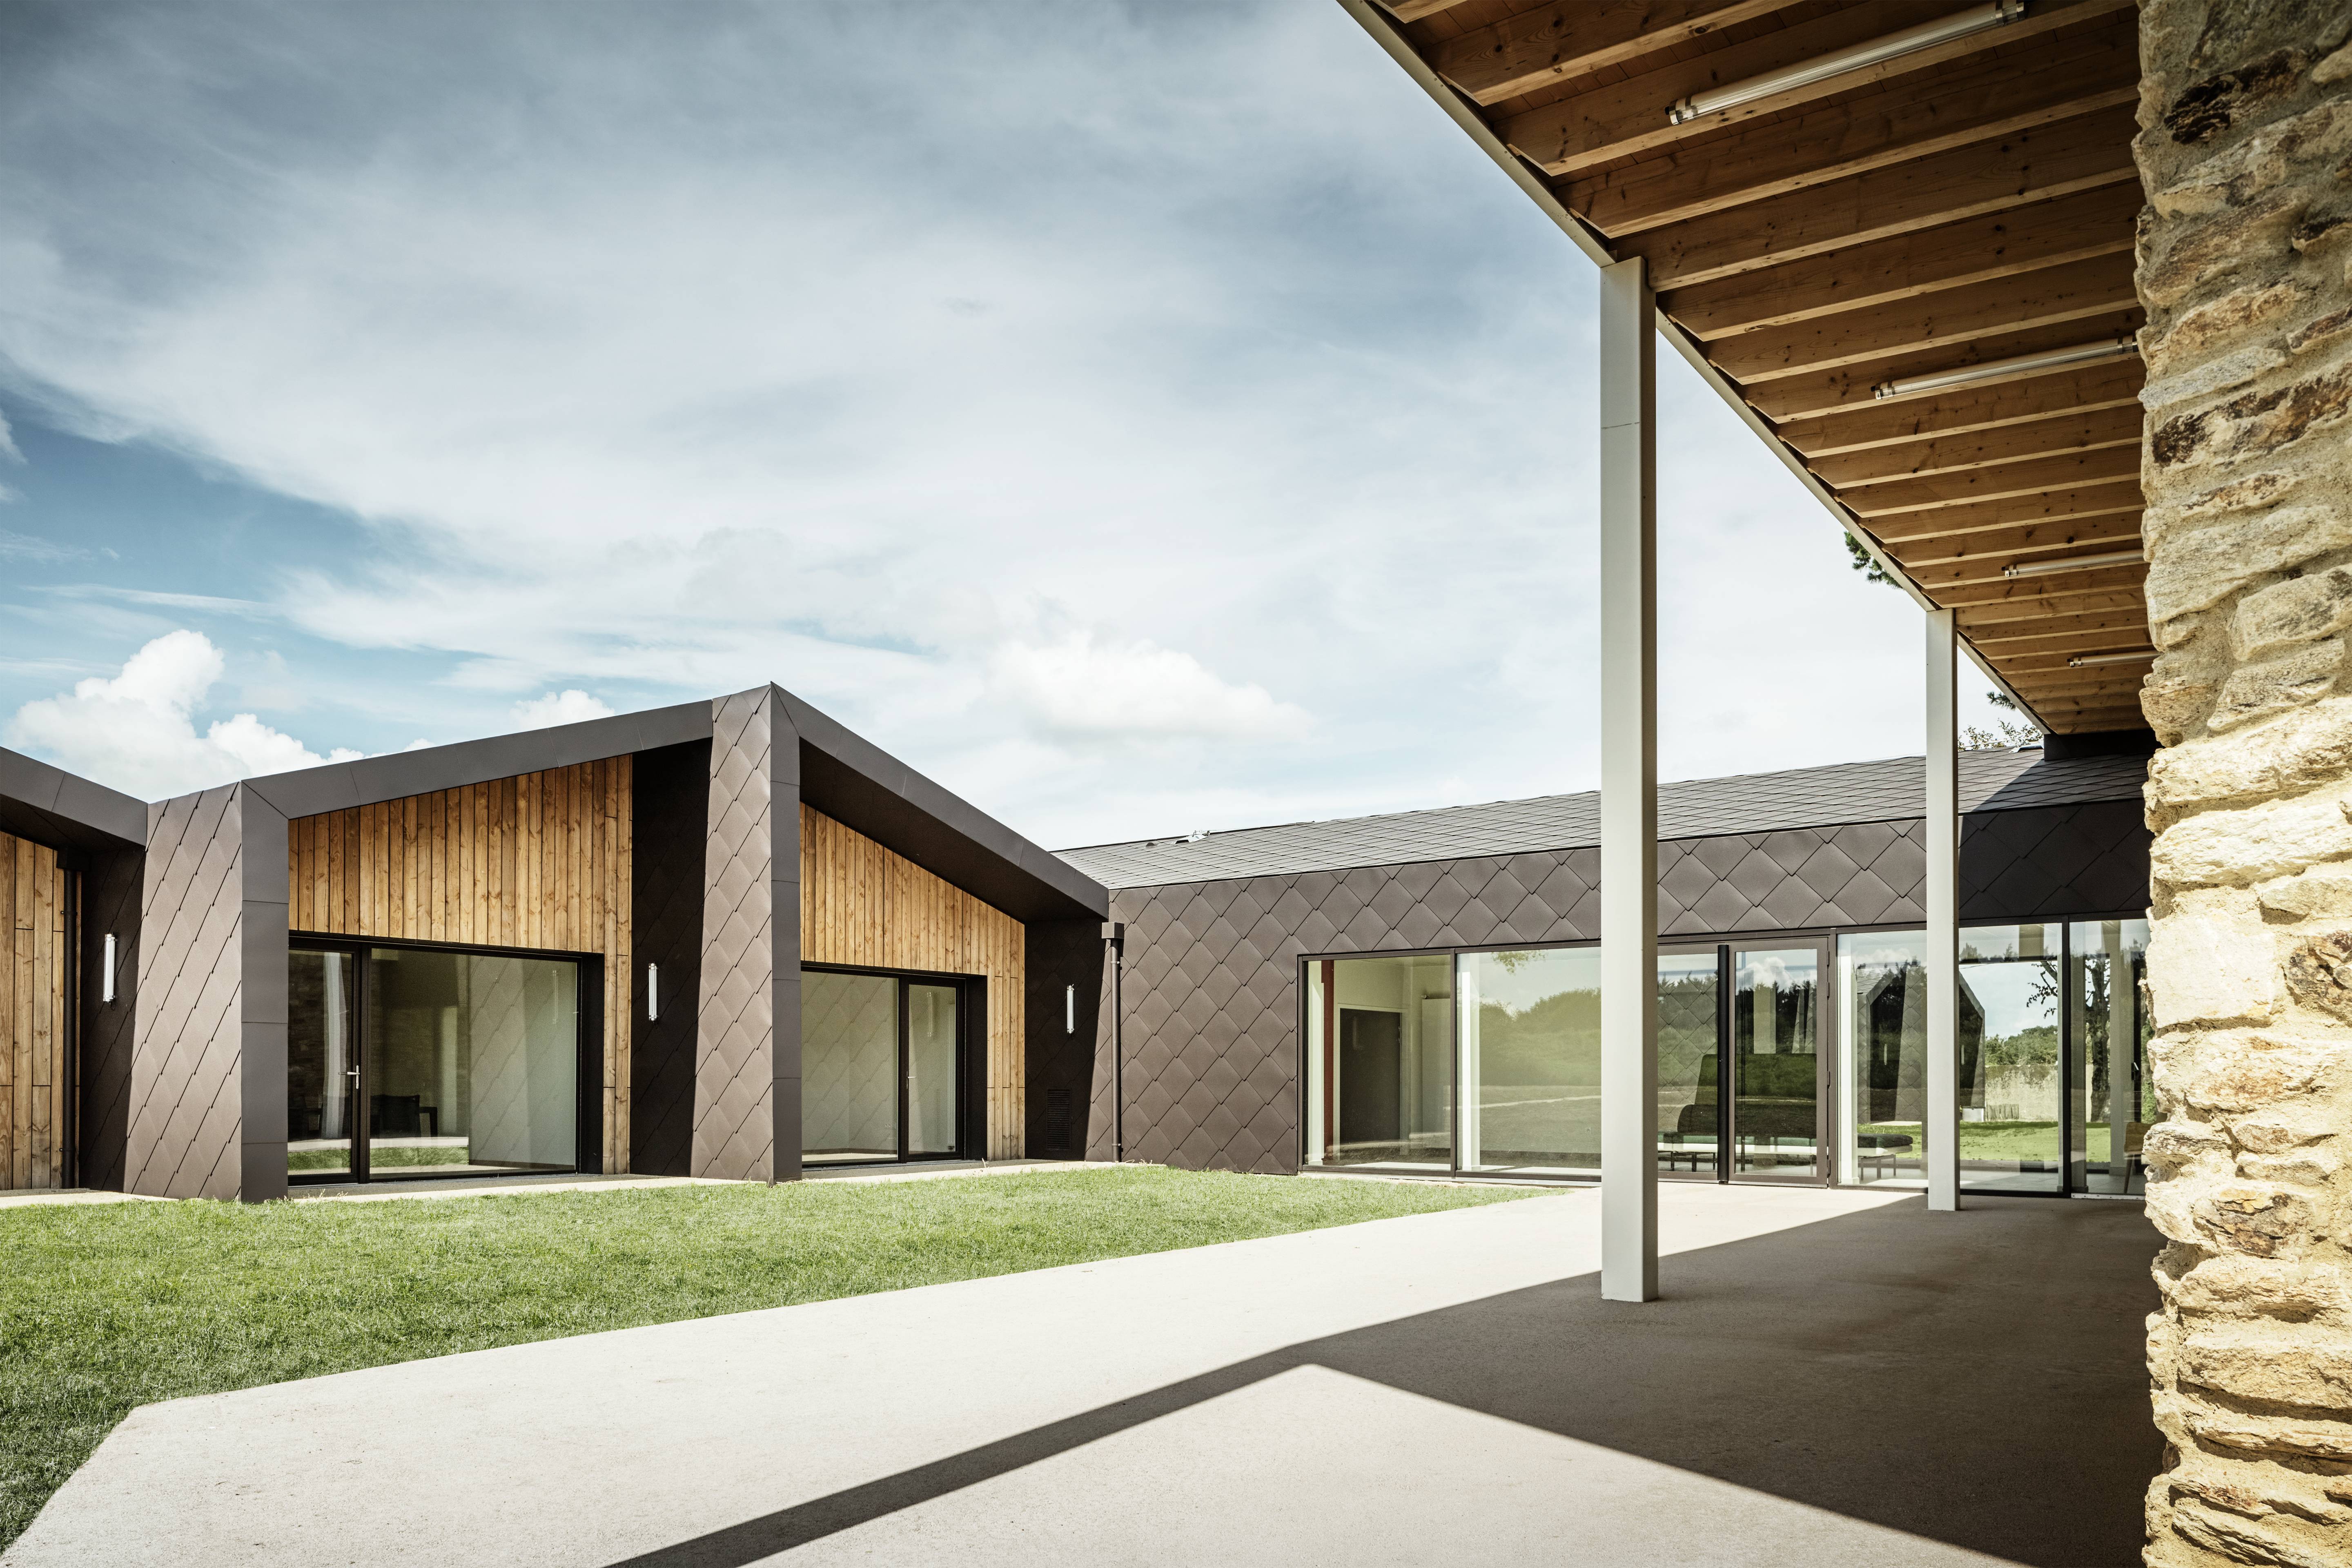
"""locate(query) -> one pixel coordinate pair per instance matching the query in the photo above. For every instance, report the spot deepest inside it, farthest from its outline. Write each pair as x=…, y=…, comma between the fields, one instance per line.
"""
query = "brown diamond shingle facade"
x=1209, y=1003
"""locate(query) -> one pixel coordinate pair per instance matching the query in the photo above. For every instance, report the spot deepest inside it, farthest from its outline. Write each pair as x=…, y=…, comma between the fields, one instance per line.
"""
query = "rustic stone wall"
x=2245, y=150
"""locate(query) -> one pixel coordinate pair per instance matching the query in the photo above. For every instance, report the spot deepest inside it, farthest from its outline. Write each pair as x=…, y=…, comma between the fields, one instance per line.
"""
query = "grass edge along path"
x=106, y=1306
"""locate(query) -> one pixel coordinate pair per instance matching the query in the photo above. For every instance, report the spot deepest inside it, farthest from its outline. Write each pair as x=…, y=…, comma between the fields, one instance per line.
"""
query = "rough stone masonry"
x=2245, y=152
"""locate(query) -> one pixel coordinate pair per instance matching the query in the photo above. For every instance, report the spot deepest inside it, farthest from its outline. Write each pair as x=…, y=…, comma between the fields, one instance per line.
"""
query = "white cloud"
x=559, y=707
x=640, y=377
x=136, y=731
x=27, y=547
x=1081, y=688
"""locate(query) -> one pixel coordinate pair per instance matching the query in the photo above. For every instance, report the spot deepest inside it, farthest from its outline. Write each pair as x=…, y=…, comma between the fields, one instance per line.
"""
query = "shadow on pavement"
x=1976, y=1379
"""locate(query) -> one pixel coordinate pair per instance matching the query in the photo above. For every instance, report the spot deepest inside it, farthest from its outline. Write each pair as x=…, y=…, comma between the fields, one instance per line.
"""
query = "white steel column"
x=1942, y=1130
x=1629, y=785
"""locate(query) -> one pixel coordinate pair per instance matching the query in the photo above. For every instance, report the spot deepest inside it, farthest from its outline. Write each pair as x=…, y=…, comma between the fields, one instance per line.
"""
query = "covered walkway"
x=1833, y=1377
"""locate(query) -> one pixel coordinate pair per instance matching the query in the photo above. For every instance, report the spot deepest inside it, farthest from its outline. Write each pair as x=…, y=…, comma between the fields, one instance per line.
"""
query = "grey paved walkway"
x=1836, y=1379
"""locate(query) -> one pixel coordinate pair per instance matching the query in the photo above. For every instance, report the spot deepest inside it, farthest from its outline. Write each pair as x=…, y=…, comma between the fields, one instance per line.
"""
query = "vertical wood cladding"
x=861, y=904
x=540, y=860
x=36, y=947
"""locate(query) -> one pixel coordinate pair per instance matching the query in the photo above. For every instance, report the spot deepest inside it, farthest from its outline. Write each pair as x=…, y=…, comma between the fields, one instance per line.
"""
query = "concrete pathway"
x=1443, y=1387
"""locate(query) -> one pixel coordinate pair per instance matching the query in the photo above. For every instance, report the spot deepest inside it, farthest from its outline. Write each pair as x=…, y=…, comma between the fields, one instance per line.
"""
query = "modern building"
x=725, y=939
x=732, y=939
x=1419, y=993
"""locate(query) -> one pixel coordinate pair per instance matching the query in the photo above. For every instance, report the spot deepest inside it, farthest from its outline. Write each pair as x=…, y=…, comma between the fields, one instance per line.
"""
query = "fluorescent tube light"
x=2070, y=564
x=652, y=993
x=105, y=971
x=2081, y=354
x=2080, y=659
x=1069, y=1009
x=1893, y=46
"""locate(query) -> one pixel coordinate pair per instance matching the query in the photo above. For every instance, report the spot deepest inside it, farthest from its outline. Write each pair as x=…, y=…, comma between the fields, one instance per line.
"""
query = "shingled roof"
x=1891, y=790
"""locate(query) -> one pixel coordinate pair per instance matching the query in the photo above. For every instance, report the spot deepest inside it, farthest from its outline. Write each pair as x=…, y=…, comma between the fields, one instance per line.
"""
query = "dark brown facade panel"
x=185, y=1136
x=671, y=805
x=111, y=894
x=261, y=1000
x=747, y=1112
x=1062, y=966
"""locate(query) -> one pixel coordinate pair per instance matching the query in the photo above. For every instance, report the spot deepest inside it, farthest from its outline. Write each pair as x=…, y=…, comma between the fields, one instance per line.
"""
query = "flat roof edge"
x=42, y=802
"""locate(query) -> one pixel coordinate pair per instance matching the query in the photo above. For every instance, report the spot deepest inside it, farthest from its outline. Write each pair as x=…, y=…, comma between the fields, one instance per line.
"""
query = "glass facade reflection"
x=2108, y=1028
x=1530, y=1042
x=1825, y=1040
x=2010, y=1082
x=1689, y=1102
x=881, y=1068
x=417, y=1062
x=1776, y=1054
x=1882, y=1059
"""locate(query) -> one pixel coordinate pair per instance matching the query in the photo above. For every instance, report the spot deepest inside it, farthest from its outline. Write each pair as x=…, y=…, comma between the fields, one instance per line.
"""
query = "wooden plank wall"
x=35, y=951
x=861, y=904
x=540, y=860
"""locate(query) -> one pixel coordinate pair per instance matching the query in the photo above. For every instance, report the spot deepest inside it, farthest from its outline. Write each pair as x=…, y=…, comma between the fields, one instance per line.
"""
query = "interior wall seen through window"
x=438, y=1063
x=849, y=1066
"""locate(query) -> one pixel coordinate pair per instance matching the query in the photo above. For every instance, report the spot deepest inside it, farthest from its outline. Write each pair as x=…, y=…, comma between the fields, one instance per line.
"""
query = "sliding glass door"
x=1690, y=1031
x=882, y=1066
x=415, y=1062
x=2052, y=1035
x=1775, y=1062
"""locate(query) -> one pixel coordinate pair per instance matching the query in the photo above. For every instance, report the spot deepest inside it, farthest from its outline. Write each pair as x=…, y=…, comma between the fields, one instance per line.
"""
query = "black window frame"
x=588, y=1074
x=972, y=1060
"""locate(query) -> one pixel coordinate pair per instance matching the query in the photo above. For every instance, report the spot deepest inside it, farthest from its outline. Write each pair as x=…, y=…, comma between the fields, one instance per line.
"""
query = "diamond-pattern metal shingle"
x=1212, y=1024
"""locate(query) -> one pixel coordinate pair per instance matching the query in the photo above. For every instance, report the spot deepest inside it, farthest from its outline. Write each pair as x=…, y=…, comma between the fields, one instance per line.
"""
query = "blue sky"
x=1140, y=418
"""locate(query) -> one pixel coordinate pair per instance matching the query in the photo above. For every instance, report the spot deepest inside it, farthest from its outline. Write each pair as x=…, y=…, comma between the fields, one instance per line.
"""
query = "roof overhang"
x=842, y=775
x=49, y=805
x=1953, y=207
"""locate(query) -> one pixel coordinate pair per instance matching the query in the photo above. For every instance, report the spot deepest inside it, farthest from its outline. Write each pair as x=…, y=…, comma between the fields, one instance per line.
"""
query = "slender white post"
x=1629, y=785
x=1942, y=1130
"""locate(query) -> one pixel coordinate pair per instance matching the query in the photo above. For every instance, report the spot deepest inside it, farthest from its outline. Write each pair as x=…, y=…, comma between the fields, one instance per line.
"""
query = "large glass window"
x=1689, y=1025
x=1882, y=1059
x=1774, y=1042
x=1383, y=1068
x=322, y=1062
x=423, y=1062
x=1388, y=1038
x=2107, y=1022
x=2010, y=1079
x=881, y=1068
x=1530, y=1030
x=849, y=1066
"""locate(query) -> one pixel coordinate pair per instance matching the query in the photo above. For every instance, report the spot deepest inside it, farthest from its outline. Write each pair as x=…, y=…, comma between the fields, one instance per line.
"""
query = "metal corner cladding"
x=747, y=1048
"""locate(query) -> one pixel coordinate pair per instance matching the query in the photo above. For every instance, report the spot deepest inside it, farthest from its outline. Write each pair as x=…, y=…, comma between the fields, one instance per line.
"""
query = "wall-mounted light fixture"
x=652, y=993
x=2135, y=657
x=1069, y=1009
x=106, y=970
x=1966, y=375
x=1893, y=46
x=2072, y=563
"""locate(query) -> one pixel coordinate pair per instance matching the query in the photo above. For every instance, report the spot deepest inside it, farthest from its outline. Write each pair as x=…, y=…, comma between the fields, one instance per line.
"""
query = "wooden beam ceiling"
x=1963, y=204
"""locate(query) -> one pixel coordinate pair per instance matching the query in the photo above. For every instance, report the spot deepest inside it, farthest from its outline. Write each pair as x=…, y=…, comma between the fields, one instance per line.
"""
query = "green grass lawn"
x=105, y=1306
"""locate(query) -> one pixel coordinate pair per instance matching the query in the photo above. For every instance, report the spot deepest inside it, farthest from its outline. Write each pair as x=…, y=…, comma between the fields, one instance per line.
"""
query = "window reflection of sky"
x=1519, y=980
x=1779, y=970
x=2005, y=992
